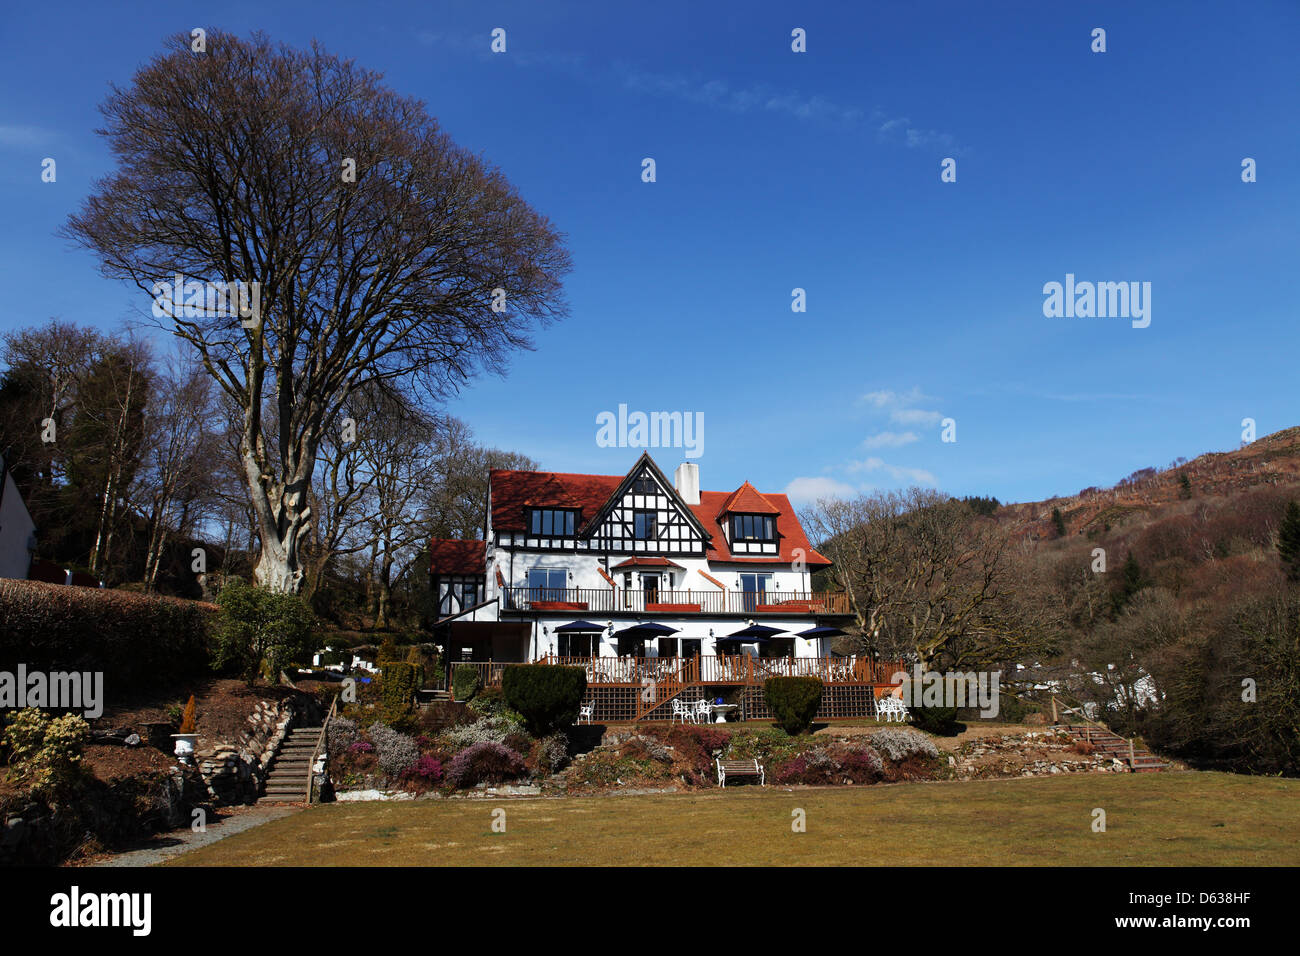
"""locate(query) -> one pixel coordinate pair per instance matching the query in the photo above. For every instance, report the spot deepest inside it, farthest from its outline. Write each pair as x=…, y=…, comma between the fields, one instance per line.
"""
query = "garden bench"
x=890, y=707
x=740, y=768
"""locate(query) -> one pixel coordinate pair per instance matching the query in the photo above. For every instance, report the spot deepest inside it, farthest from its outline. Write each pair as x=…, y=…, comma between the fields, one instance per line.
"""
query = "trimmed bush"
x=465, y=682
x=139, y=640
x=940, y=721
x=259, y=630
x=793, y=701
x=400, y=681
x=547, y=696
x=485, y=763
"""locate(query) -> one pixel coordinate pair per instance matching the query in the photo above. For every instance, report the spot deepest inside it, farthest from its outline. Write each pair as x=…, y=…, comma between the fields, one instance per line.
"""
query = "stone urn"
x=184, y=749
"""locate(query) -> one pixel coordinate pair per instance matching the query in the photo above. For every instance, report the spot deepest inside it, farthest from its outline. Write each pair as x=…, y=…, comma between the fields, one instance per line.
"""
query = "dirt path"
x=165, y=846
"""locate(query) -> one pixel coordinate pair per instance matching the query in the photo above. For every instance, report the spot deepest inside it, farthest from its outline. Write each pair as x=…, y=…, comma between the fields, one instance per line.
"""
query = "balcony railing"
x=710, y=670
x=602, y=600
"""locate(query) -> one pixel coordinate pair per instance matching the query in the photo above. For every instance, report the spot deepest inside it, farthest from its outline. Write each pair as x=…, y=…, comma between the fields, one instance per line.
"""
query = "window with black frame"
x=552, y=522
x=753, y=528
x=645, y=525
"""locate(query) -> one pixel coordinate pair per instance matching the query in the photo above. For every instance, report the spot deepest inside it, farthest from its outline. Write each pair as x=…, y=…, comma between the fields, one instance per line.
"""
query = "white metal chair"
x=683, y=710
x=890, y=707
x=702, y=711
x=585, y=712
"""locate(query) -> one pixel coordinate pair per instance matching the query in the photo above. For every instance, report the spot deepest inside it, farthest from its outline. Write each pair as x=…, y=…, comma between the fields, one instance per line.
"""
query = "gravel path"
x=167, y=846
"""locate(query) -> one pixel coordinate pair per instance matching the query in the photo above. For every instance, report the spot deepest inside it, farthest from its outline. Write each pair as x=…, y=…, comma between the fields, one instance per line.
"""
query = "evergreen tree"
x=1058, y=522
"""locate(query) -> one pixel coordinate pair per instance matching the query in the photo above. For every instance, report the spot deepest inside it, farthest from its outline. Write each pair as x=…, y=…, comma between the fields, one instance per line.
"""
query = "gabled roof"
x=452, y=556
x=790, y=534
x=748, y=500
x=515, y=491
x=646, y=562
x=645, y=461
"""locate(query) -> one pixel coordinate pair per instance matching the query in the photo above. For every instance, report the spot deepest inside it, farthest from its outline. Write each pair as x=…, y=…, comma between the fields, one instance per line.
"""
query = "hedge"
x=547, y=696
x=138, y=640
x=793, y=701
x=400, y=682
x=464, y=682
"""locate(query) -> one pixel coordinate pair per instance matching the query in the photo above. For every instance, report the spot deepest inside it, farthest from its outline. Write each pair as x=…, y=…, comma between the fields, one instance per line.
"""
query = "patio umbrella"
x=815, y=632
x=753, y=634
x=575, y=626
x=649, y=629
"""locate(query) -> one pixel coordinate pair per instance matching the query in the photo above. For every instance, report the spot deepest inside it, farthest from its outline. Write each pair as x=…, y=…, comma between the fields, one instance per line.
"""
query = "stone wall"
x=235, y=771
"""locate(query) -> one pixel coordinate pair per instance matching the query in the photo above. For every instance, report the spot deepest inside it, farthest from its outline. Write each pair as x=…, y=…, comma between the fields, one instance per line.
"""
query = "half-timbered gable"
x=646, y=515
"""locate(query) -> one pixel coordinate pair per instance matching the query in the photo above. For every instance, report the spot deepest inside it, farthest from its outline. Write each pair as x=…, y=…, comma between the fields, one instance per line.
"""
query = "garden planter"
x=184, y=749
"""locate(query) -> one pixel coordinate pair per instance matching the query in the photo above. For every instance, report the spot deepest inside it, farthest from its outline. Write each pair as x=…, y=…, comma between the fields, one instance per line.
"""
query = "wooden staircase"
x=1139, y=760
x=288, y=774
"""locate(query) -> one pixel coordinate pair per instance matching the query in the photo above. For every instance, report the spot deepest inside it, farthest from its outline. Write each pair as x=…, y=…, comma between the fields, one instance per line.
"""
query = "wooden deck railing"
x=598, y=600
x=713, y=669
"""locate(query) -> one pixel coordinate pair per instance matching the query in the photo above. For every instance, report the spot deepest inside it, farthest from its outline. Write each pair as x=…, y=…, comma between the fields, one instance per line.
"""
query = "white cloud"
x=902, y=407
x=918, y=476
x=891, y=439
x=808, y=490
x=23, y=136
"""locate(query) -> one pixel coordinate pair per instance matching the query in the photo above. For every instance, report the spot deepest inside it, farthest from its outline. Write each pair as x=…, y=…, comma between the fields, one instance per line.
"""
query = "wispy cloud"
x=25, y=136
x=917, y=476
x=904, y=408
x=807, y=490
x=890, y=439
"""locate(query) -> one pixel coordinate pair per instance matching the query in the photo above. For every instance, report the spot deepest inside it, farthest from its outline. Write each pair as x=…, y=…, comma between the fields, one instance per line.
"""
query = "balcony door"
x=752, y=588
x=547, y=584
x=650, y=588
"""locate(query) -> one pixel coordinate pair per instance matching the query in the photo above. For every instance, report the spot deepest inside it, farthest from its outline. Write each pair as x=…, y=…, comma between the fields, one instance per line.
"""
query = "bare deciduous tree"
x=423, y=268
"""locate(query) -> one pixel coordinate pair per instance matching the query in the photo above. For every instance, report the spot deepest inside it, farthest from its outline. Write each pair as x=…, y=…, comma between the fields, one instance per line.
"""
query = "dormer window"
x=644, y=485
x=753, y=528
x=552, y=522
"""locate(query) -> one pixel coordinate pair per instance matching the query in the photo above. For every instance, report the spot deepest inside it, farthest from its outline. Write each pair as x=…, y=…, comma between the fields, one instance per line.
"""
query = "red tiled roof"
x=515, y=491
x=747, y=500
x=646, y=562
x=712, y=508
x=450, y=556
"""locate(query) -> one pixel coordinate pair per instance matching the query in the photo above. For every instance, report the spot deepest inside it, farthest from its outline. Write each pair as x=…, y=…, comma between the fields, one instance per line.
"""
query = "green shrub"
x=136, y=640
x=259, y=631
x=545, y=695
x=45, y=752
x=400, y=681
x=793, y=701
x=940, y=721
x=465, y=682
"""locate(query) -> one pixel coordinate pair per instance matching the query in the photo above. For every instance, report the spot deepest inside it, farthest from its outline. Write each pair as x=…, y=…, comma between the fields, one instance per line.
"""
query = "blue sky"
x=820, y=171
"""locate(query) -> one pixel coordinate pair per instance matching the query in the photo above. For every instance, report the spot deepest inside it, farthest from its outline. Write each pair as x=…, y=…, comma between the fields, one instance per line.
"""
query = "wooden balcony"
x=713, y=670
x=609, y=600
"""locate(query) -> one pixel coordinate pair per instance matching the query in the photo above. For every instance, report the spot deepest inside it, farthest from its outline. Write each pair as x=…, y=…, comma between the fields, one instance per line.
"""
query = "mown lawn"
x=1151, y=820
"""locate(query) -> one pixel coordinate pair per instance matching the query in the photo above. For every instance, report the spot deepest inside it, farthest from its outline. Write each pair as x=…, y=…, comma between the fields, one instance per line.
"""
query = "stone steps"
x=1109, y=742
x=286, y=774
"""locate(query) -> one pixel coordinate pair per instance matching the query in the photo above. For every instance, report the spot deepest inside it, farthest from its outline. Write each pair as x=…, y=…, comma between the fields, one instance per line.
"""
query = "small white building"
x=17, y=531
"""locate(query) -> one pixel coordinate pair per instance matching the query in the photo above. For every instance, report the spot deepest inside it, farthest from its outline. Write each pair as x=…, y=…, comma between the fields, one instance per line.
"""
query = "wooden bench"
x=740, y=768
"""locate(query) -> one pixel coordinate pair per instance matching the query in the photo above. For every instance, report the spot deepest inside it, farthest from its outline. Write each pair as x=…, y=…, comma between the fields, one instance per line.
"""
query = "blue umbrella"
x=649, y=629
x=578, y=626
x=814, y=632
x=753, y=633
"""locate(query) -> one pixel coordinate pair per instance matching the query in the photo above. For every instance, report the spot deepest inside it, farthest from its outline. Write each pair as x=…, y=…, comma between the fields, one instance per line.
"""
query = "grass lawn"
x=1151, y=820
